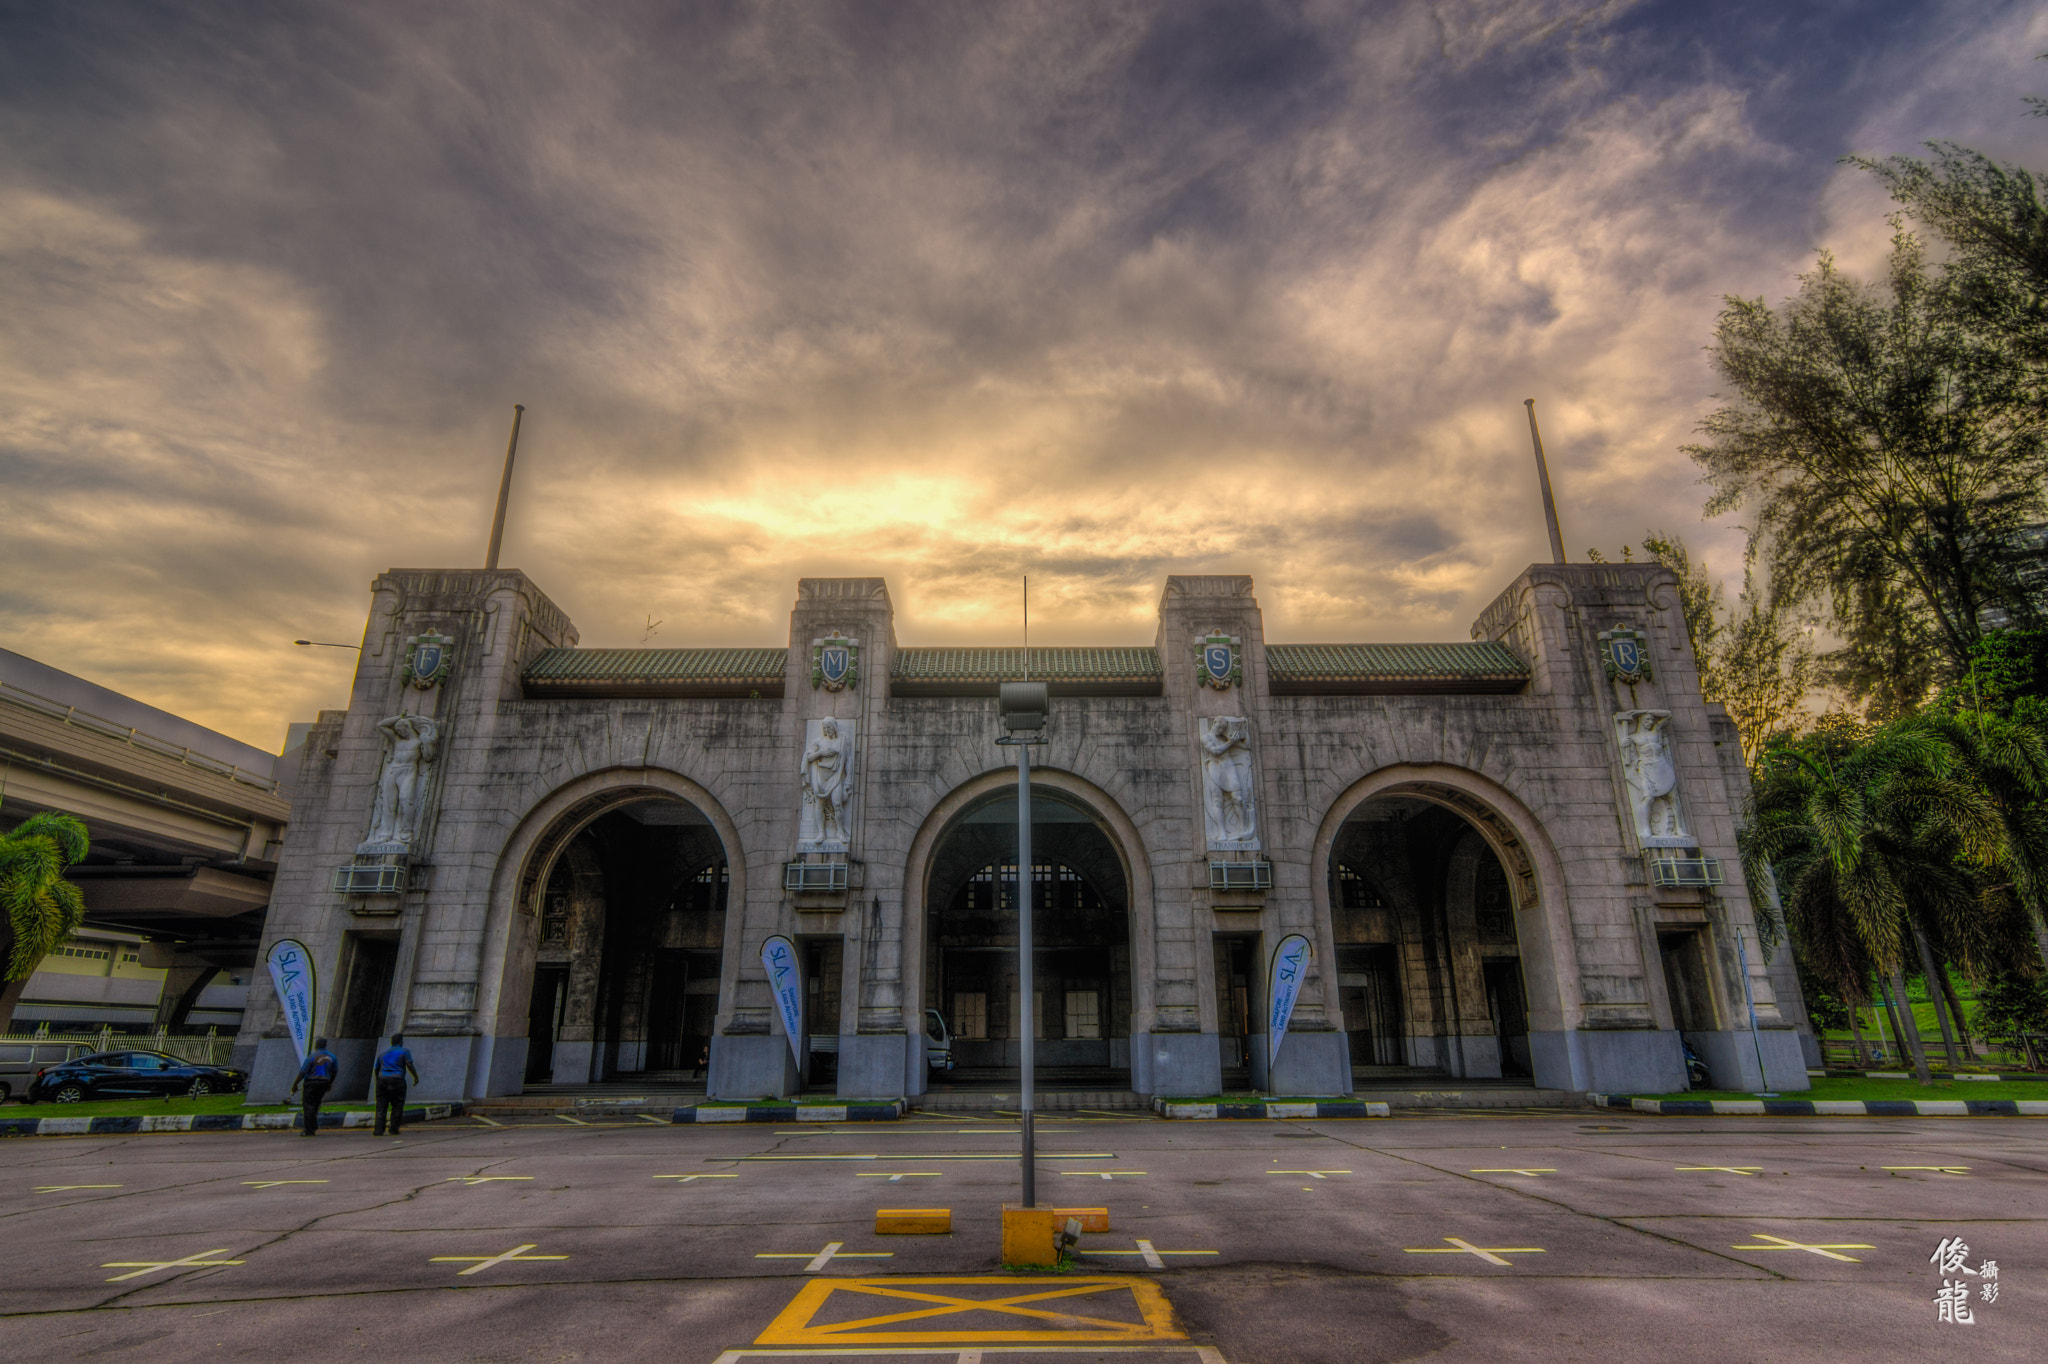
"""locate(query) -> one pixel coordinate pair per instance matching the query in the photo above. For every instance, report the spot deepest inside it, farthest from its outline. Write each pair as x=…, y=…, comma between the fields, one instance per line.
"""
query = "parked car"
x=19, y=1062
x=132, y=1075
x=938, y=1042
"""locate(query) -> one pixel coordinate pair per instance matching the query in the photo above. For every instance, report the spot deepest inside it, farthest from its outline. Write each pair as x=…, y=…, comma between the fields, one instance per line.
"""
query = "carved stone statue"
x=1652, y=774
x=826, y=824
x=1227, y=799
x=415, y=745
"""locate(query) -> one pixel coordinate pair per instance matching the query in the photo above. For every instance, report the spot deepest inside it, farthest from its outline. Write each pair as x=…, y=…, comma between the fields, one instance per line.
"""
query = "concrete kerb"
x=1828, y=1108
x=118, y=1125
x=1342, y=1108
x=854, y=1112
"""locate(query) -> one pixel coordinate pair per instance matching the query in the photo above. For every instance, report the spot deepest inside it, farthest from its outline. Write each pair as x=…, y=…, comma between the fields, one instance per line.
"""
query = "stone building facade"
x=1513, y=856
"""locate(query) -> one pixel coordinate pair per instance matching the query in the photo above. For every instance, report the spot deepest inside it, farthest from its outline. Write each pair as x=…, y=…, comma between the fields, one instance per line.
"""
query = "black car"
x=131, y=1075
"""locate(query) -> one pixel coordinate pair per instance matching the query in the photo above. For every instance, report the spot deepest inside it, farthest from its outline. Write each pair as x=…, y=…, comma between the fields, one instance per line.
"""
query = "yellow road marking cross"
x=274, y=1183
x=1937, y=1169
x=65, y=1188
x=1032, y=1308
x=486, y=1179
x=1827, y=1248
x=142, y=1267
x=1312, y=1174
x=1533, y=1172
x=831, y=1252
x=1490, y=1254
x=1726, y=1169
x=1150, y=1254
x=687, y=1178
x=483, y=1262
x=1105, y=1174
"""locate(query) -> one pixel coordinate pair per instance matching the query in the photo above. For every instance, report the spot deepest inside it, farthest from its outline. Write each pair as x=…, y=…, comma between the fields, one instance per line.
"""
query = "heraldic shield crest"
x=428, y=659
x=1219, y=666
x=1626, y=657
x=835, y=662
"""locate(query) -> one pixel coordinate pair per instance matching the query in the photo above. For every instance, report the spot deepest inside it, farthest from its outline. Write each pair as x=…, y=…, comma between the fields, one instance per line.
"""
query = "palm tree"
x=2006, y=761
x=1865, y=840
x=42, y=908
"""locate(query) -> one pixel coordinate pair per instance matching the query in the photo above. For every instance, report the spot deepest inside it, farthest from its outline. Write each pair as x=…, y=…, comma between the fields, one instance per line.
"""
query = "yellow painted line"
x=819, y=1259
x=1532, y=1171
x=1826, y=1248
x=565, y=1118
x=483, y=1262
x=1313, y=1174
x=798, y=1324
x=1106, y=1174
x=486, y=1179
x=492, y=1122
x=1937, y=1169
x=142, y=1267
x=687, y=1178
x=1151, y=1254
x=869, y=1156
x=1490, y=1254
x=1726, y=1169
x=649, y=1117
x=274, y=1183
x=898, y=1177
x=66, y=1188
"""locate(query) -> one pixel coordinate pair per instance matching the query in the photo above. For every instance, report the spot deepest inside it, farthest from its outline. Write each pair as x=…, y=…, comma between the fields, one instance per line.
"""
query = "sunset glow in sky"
x=947, y=293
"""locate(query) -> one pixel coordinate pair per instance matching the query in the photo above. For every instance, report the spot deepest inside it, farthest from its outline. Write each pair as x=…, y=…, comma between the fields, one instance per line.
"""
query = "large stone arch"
x=520, y=876
x=1115, y=823
x=1535, y=874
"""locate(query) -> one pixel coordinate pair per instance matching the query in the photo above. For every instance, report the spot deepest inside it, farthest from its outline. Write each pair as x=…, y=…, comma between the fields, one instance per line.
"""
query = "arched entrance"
x=1443, y=964
x=610, y=908
x=632, y=939
x=1082, y=1005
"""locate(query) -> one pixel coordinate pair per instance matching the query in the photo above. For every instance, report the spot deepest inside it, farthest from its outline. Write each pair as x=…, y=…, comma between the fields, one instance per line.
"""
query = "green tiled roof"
x=1309, y=669
x=656, y=672
x=1073, y=672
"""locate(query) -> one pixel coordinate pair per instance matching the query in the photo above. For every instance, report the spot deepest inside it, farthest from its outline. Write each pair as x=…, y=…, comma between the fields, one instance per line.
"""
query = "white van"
x=19, y=1062
x=938, y=1041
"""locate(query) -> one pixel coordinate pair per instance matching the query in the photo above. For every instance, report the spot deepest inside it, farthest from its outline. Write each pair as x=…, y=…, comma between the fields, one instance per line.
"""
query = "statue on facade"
x=1652, y=774
x=827, y=787
x=1227, y=800
x=415, y=745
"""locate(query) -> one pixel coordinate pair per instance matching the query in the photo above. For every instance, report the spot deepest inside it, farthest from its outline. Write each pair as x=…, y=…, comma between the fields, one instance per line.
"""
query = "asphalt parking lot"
x=1496, y=1237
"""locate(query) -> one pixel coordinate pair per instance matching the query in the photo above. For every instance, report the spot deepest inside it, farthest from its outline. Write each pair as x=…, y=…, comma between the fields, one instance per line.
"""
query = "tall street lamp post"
x=1022, y=706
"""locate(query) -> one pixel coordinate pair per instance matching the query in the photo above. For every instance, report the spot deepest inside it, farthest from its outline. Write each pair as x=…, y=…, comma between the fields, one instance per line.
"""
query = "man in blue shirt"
x=392, y=1068
x=316, y=1074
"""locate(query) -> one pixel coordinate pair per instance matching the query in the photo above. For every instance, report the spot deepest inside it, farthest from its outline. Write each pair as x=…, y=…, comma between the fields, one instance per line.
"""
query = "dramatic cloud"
x=951, y=294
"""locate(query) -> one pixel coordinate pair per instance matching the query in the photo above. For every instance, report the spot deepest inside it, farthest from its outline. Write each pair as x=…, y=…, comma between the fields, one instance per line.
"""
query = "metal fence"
x=2023, y=1053
x=212, y=1049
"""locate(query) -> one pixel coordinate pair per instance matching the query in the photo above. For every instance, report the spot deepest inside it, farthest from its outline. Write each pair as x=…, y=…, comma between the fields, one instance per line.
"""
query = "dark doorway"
x=1510, y=1013
x=1238, y=1007
x=366, y=998
x=544, y=1021
x=823, y=959
x=1685, y=976
x=1369, y=993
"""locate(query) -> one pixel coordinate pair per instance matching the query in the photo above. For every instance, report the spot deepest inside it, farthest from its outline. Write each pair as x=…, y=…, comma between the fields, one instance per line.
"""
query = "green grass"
x=1856, y=1087
x=151, y=1108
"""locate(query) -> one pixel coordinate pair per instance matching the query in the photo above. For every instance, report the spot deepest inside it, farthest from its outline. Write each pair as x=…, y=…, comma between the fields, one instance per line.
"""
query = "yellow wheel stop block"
x=913, y=1221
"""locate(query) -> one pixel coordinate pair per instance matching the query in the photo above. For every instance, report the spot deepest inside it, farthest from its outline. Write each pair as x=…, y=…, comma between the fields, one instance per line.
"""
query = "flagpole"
x=504, y=490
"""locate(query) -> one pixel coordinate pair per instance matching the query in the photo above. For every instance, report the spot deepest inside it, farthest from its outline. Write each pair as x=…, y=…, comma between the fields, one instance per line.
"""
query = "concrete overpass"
x=186, y=822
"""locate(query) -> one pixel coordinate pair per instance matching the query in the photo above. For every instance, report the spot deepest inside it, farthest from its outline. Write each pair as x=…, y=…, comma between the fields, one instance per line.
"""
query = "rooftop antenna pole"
x=1543, y=477
x=504, y=491
x=1027, y=1012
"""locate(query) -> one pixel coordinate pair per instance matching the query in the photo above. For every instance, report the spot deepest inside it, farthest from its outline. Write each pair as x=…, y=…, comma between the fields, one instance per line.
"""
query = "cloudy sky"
x=950, y=293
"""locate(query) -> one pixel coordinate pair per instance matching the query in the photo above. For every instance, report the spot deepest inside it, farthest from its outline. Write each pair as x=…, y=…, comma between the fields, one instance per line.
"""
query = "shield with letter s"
x=1216, y=660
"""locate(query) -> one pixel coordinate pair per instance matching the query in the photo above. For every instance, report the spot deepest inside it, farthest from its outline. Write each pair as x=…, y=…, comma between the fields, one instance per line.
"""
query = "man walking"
x=392, y=1069
x=316, y=1074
